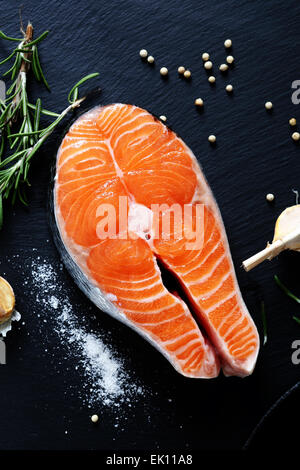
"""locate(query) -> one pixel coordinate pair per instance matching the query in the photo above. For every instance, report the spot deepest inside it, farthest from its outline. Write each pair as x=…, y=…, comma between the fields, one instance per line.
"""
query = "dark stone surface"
x=254, y=155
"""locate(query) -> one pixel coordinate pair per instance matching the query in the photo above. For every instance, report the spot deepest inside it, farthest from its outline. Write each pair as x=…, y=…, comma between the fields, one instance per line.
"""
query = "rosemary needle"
x=286, y=290
x=22, y=135
x=289, y=294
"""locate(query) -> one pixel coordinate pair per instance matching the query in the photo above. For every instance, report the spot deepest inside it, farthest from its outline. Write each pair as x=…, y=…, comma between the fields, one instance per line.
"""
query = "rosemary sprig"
x=296, y=319
x=20, y=119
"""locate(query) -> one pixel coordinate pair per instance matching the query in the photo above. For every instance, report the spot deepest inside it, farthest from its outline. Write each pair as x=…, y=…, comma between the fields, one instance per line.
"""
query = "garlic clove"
x=7, y=300
x=288, y=223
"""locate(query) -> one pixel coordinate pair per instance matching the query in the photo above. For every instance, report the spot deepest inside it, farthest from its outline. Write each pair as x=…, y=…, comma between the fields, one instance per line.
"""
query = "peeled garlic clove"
x=288, y=223
x=7, y=300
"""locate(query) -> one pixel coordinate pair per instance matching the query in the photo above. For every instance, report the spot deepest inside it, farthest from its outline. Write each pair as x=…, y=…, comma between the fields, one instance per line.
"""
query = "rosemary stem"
x=24, y=68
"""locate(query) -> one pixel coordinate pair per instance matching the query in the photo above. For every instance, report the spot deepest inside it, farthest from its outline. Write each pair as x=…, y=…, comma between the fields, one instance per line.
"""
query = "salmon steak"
x=130, y=202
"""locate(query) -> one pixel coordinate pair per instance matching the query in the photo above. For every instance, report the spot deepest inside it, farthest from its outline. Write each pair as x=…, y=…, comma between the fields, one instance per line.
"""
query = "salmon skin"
x=120, y=173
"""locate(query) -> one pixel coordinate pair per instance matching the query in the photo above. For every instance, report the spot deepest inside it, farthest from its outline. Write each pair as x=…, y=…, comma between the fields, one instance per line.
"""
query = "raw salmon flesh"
x=122, y=155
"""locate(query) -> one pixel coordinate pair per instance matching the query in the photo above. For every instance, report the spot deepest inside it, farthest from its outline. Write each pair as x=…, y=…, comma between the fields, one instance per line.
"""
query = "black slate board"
x=278, y=428
x=254, y=155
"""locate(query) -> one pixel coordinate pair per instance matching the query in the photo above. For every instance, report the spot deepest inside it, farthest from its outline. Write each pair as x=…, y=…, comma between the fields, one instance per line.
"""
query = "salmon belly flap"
x=129, y=198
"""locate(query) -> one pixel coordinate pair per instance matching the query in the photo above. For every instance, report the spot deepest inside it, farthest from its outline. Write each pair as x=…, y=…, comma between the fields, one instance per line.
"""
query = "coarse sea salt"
x=106, y=379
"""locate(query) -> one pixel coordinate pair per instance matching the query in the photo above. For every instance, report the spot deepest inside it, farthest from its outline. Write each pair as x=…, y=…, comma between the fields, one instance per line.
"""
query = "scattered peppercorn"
x=143, y=53
x=208, y=65
x=223, y=67
x=94, y=418
x=199, y=102
x=164, y=71
x=270, y=197
x=268, y=105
